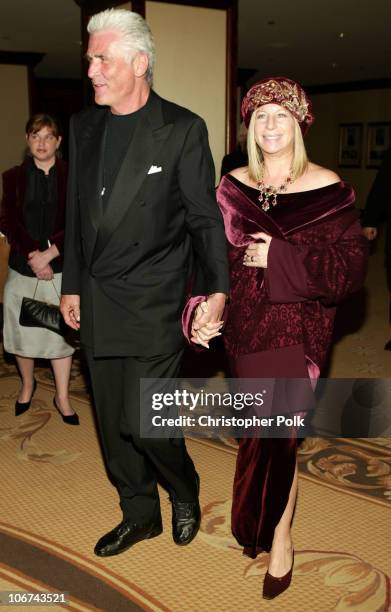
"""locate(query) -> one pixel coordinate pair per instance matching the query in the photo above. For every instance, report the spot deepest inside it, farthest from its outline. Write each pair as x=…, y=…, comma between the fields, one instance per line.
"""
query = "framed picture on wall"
x=378, y=141
x=350, y=145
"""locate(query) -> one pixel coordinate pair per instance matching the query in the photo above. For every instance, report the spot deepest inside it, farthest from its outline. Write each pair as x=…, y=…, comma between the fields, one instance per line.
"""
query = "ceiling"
x=301, y=39
x=313, y=41
x=45, y=26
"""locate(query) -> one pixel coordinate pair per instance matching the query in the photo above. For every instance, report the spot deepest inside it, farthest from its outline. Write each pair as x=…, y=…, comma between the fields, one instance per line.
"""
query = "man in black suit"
x=141, y=208
x=377, y=211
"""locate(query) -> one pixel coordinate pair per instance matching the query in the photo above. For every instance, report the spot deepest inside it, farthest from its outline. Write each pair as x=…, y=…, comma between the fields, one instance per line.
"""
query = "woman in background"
x=296, y=250
x=32, y=218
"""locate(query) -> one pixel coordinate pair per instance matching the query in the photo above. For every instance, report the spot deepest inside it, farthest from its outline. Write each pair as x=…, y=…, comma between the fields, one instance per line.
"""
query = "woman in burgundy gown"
x=296, y=250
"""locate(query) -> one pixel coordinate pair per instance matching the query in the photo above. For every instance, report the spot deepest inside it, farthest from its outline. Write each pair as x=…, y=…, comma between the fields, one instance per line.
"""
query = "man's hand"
x=70, y=310
x=257, y=252
x=370, y=233
x=45, y=273
x=214, y=311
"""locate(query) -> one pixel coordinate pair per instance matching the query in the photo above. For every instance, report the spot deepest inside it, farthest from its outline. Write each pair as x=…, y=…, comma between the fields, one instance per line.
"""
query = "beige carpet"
x=56, y=501
x=363, y=327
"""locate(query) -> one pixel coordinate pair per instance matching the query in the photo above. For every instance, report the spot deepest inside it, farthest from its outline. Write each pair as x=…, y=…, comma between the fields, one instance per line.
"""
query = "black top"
x=120, y=130
x=40, y=208
x=236, y=159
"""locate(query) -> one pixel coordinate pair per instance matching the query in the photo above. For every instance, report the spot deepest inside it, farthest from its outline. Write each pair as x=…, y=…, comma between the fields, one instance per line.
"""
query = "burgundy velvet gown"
x=280, y=322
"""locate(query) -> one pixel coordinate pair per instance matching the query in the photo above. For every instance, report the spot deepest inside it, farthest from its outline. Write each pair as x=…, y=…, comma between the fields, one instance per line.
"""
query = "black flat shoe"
x=69, y=419
x=21, y=407
x=125, y=535
x=186, y=518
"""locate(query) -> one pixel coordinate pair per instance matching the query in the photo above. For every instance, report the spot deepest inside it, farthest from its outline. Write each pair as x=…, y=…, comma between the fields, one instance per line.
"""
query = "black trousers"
x=135, y=463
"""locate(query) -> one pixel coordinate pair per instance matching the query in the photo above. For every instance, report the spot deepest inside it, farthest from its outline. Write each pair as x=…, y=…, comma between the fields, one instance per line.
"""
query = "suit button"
x=142, y=203
x=93, y=275
x=136, y=243
x=124, y=277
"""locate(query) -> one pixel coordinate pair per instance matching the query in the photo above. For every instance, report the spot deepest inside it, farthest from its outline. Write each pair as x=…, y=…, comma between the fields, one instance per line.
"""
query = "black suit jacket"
x=378, y=205
x=132, y=264
x=378, y=208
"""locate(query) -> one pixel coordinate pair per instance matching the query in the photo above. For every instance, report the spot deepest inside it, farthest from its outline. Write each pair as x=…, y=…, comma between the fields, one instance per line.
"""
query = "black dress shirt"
x=40, y=207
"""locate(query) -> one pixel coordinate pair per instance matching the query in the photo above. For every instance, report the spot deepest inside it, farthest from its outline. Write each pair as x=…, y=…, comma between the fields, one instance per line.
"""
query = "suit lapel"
x=92, y=165
x=149, y=136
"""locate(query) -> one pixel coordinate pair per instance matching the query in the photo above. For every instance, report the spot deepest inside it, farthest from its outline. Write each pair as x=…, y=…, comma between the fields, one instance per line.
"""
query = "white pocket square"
x=154, y=169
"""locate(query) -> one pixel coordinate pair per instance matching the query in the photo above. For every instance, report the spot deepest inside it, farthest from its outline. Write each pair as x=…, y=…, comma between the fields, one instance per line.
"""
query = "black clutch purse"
x=35, y=313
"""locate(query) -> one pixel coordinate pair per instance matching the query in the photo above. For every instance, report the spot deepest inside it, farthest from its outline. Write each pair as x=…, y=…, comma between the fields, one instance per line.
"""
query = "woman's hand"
x=46, y=273
x=202, y=333
x=38, y=260
x=257, y=252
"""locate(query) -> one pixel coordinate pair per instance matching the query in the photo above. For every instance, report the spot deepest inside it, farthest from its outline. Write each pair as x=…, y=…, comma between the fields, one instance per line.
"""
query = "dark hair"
x=41, y=120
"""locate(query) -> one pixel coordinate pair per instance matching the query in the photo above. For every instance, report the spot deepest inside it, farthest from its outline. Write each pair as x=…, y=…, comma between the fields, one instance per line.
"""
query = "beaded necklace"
x=268, y=193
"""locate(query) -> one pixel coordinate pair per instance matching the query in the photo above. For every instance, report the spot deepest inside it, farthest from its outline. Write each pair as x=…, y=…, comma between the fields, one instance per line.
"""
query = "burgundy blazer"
x=12, y=216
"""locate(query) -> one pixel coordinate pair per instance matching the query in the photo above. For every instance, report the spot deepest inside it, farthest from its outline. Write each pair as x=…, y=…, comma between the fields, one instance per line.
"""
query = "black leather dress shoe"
x=186, y=519
x=124, y=536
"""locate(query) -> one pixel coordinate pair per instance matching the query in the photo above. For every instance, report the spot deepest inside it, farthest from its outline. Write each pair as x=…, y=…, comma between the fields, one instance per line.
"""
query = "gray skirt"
x=34, y=342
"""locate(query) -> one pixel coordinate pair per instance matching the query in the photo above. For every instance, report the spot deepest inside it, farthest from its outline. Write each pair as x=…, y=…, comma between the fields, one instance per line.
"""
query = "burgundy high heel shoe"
x=69, y=419
x=272, y=586
x=21, y=407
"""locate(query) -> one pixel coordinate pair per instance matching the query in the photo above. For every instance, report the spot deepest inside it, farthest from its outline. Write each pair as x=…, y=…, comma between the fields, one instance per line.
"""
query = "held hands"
x=38, y=260
x=207, y=320
x=70, y=310
x=257, y=252
x=45, y=273
x=39, y=263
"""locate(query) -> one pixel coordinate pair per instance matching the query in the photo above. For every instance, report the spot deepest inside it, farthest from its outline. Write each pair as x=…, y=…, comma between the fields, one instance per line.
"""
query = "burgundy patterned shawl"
x=317, y=257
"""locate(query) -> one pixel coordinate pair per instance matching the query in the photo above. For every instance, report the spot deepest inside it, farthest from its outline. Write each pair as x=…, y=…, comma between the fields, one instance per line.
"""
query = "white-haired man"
x=140, y=206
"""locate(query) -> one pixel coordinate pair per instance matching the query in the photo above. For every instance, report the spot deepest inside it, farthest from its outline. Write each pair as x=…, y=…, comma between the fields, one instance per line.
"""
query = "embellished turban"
x=282, y=91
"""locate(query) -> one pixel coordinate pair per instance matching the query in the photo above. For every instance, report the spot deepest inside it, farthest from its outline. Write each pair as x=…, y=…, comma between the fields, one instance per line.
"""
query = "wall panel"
x=331, y=109
x=191, y=63
x=14, y=113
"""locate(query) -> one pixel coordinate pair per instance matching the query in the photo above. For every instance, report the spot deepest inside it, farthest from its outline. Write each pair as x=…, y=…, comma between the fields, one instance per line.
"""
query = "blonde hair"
x=255, y=157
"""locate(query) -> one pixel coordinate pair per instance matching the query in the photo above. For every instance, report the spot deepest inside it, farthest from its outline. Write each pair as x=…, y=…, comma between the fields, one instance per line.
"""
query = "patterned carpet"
x=56, y=501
